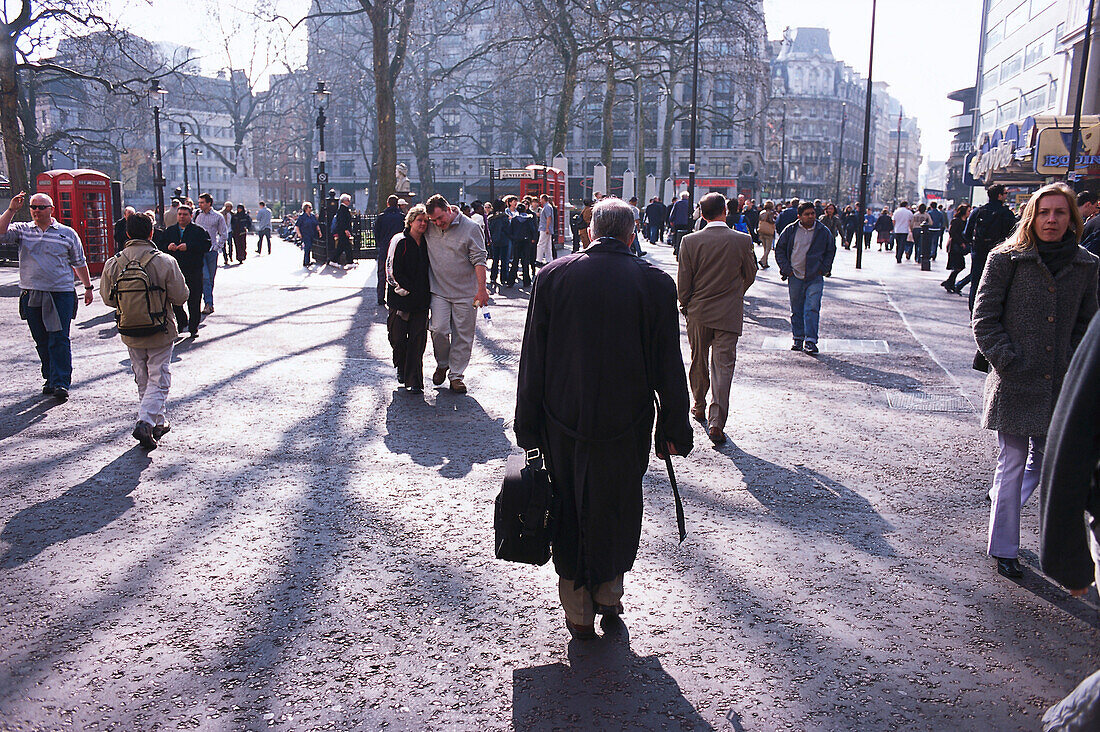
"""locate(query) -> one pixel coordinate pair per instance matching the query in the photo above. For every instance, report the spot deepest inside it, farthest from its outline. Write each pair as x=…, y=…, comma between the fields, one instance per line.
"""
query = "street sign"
x=322, y=178
x=515, y=174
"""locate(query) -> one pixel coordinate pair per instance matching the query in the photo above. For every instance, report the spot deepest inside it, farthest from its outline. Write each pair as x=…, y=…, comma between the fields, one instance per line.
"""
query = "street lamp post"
x=186, y=186
x=283, y=202
x=322, y=94
x=694, y=110
x=783, y=154
x=1075, y=137
x=840, y=151
x=863, y=169
x=198, y=185
x=156, y=91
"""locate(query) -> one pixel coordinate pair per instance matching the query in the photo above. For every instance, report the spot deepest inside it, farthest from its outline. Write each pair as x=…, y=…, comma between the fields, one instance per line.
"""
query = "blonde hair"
x=1023, y=237
x=413, y=212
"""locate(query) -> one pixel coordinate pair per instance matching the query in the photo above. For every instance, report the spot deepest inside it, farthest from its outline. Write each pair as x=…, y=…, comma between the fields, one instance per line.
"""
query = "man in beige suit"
x=717, y=265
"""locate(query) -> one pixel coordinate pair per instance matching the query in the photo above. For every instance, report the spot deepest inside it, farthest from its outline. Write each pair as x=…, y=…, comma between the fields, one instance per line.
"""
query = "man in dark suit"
x=653, y=220
x=602, y=339
x=389, y=222
x=717, y=265
x=188, y=243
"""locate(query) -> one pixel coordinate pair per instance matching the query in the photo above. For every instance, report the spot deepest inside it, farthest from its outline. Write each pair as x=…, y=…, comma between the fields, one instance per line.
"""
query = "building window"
x=989, y=121
x=347, y=168
x=1016, y=19
x=1036, y=51
x=1012, y=66
x=450, y=119
x=1038, y=6
x=989, y=79
x=1008, y=112
x=448, y=168
x=1052, y=95
x=994, y=35
x=1035, y=101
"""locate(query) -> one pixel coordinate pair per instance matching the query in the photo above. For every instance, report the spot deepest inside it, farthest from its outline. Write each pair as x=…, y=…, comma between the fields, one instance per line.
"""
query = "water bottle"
x=485, y=314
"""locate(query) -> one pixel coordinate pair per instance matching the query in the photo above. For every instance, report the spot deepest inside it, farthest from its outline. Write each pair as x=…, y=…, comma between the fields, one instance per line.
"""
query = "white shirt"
x=902, y=217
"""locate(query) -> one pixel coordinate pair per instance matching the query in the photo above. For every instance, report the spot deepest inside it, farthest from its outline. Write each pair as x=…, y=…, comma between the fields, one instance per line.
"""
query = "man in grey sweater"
x=456, y=254
x=263, y=226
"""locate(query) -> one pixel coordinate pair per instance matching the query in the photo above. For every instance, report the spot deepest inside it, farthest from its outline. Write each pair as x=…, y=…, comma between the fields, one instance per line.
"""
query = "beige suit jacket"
x=717, y=266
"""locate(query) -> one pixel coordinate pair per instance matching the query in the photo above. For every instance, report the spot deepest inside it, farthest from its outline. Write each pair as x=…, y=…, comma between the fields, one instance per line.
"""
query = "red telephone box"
x=550, y=181
x=82, y=200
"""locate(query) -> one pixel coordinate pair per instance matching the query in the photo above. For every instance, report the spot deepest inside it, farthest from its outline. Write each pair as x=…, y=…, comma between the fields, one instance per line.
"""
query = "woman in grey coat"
x=1036, y=298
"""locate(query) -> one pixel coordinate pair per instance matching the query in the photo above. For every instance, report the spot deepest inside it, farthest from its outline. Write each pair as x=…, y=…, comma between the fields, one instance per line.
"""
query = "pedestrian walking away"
x=389, y=223
x=408, y=295
x=522, y=231
x=986, y=228
x=766, y=231
x=805, y=253
x=241, y=224
x=585, y=399
x=957, y=248
x=500, y=244
x=216, y=227
x=884, y=227
x=546, y=232
x=903, y=240
x=263, y=227
x=49, y=253
x=456, y=252
x=228, y=253
x=189, y=244
x=141, y=284
x=1034, y=303
x=717, y=265
x=340, y=227
x=679, y=220
x=308, y=230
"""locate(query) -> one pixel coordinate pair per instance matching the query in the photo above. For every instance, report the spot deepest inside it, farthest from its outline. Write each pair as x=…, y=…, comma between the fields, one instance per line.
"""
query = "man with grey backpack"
x=142, y=284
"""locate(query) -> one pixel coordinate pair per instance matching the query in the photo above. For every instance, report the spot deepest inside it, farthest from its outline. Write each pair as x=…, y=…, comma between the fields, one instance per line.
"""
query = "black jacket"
x=120, y=234
x=408, y=267
x=389, y=223
x=990, y=225
x=240, y=222
x=341, y=222
x=191, y=259
x=523, y=228
x=1071, y=467
x=585, y=396
x=498, y=226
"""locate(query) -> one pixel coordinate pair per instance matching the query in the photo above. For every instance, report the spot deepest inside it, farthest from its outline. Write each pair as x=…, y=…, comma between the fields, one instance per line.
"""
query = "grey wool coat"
x=1027, y=323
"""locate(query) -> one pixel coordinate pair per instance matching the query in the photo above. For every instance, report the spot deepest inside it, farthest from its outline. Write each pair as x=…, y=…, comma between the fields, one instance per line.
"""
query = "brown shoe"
x=439, y=376
x=581, y=632
x=716, y=435
x=700, y=413
x=458, y=386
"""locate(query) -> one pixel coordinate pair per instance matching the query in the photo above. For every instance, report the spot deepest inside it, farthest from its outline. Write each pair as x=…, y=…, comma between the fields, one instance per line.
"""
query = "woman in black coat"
x=884, y=226
x=240, y=223
x=957, y=246
x=408, y=296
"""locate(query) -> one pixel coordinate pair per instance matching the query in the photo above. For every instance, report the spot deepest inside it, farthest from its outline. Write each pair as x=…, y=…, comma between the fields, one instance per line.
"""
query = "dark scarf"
x=1057, y=255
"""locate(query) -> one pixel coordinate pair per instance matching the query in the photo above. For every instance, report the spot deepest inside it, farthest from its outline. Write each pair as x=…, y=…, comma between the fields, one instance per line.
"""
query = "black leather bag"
x=524, y=513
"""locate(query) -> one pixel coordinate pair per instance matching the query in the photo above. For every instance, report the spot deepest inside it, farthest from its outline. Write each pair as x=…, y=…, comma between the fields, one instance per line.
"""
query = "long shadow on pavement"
x=83, y=509
x=17, y=417
x=807, y=500
x=605, y=686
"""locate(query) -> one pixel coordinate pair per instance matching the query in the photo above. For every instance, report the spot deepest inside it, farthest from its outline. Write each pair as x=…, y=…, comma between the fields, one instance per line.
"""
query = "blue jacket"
x=786, y=218
x=819, y=259
x=680, y=213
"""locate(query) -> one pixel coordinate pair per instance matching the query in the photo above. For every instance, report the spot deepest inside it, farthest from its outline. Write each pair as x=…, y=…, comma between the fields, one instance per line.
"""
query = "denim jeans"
x=209, y=271
x=54, y=349
x=501, y=259
x=652, y=233
x=307, y=250
x=805, y=307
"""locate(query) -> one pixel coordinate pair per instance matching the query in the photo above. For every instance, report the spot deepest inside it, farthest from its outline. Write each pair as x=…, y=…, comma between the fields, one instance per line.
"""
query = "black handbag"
x=524, y=515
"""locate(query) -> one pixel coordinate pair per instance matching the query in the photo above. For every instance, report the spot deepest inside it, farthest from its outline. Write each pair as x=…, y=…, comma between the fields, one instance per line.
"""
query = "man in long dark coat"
x=602, y=338
x=188, y=243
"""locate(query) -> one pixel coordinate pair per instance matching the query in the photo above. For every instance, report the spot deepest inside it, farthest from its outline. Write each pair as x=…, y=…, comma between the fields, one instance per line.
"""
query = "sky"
x=923, y=54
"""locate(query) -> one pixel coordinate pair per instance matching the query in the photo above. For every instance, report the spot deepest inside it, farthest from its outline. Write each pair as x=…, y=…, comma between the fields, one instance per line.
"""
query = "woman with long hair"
x=831, y=220
x=408, y=296
x=766, y=230
x=957, y=247
x=1033, y=306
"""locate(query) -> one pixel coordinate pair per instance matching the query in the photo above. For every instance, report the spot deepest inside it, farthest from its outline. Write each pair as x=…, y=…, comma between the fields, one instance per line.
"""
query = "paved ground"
x=311, y=548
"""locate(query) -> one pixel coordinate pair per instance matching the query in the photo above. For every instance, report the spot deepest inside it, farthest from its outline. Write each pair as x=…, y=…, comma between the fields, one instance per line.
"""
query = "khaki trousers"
x=578, y=603
x=153, y=373
x=713, y=355
x=452, y=325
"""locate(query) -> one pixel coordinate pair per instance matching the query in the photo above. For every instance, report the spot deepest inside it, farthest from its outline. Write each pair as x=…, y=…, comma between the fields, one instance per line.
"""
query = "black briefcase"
x=524, y=514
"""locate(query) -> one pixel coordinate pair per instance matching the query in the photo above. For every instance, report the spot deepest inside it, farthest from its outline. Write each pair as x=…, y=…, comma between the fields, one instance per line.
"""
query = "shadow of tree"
x=605, y=686
x=809, y=501
x=868, y=375
x=83, y=509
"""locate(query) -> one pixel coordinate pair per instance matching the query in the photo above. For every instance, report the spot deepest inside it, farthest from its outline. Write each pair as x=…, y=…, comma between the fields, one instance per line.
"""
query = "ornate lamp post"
x=185, y=134
x=198, y=185
x=156, y=94
x=322, y=94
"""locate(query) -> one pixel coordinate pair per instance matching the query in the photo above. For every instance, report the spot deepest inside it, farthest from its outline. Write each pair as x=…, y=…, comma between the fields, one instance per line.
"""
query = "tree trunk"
x=422, y=151
x=565, y=104
x=606, y=138
x=386, y=180
x=9, y=121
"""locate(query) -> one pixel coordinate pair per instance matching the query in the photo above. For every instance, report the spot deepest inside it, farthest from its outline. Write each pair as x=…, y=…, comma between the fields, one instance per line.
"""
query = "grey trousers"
x=1019, y=462
x=452, y=325
x=713, y=356
x=578, y=604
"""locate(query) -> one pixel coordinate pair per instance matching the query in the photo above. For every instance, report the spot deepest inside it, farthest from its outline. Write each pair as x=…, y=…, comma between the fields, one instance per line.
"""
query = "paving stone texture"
x=311, y=548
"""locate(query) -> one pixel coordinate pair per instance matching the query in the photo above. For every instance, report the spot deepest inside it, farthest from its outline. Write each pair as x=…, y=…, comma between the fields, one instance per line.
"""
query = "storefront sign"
x=995, y=159
x=1052, y=150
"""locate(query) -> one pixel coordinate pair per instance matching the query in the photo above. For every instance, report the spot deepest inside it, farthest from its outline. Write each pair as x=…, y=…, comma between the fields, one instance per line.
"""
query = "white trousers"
x=1019, y=462
x=545, y=251
x=153, y=374
x=452, y=325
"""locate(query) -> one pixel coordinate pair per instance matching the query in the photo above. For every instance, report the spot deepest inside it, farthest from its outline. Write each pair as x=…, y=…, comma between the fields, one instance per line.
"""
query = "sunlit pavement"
x=311, y=548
